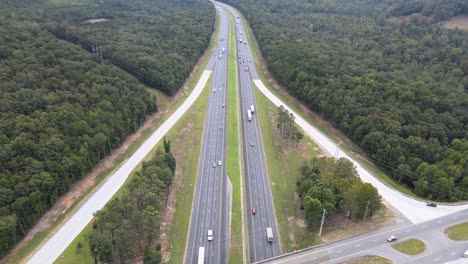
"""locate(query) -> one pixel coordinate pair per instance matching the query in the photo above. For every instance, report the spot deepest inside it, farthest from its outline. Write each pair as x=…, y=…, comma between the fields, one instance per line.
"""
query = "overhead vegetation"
x=399, y=90
x=159, y=42
x=440, y=10
x=60, y=113
x=129, y=224
x=334, y=186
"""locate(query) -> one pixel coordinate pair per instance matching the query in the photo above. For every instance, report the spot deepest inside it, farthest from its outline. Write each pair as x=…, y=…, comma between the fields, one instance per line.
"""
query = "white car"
x=214, y=90
x=465, y=255
x=392, y=238
x=210, y=235
x=219, y=163
x=214, y=164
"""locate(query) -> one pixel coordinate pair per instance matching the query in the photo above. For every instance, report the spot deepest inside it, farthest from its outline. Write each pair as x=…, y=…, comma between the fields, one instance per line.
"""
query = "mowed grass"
x=167, y=105
x=314, y=119
x=183, y=134
x=370, y=259
x=458, y=232
x=410, y=247
x=283, y=161
x=233, y=163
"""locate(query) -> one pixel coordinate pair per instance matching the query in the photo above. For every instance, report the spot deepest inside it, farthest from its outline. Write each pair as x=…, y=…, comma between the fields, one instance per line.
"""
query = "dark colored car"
x=431, y=204
x=254, y=211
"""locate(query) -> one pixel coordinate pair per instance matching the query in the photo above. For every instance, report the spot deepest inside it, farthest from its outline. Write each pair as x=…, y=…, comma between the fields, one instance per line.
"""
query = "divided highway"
x=209, y=222
x=259, y=202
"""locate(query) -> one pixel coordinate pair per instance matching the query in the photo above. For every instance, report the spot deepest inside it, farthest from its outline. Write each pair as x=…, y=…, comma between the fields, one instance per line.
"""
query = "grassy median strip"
x=186, y=132
x=283, y=159
x=370, y=259
x=458, y=232
x=325, y=127
x=233, y=163
x=410, y=247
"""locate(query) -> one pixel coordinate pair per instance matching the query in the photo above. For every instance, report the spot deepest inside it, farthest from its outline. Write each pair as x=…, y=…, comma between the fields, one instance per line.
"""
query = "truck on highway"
x=252, y=109
x=201, y=255
x=269, y=234
x=249, y=114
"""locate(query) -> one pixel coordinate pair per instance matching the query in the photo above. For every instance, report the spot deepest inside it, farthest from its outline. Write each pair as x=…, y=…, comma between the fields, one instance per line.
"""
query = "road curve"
x=59, y=241
x=415, y=210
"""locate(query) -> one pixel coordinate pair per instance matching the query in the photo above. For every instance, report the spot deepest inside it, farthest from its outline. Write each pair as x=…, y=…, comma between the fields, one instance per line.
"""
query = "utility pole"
x=347, y=215
x=367, y=209
x=323, y=220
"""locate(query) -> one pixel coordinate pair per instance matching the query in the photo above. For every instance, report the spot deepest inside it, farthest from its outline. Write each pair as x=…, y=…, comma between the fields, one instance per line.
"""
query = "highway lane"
x=257, y=183
x=439, y=249
x=210, y=207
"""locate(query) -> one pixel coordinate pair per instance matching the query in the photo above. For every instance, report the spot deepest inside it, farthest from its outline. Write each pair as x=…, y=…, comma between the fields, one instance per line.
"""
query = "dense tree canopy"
x=397, y=88
x=130, y=223
x=158, y=42
x=60, y=113
x=334, y=186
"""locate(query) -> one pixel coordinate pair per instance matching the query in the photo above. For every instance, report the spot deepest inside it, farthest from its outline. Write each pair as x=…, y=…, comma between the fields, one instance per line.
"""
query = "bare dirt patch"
x=96, y=20
x=458, y=22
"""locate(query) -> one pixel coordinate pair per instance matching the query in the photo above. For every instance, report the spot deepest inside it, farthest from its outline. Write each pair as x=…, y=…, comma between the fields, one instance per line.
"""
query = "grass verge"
x=370, y=259
x=283, y=161
x=186, y=132
x=458, y=232
x=233, y=163
x=314, y=119
x=410, y=247
x=167, y=106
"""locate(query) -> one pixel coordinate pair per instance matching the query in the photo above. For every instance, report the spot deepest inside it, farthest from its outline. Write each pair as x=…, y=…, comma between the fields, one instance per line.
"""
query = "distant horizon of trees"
x=398, y=90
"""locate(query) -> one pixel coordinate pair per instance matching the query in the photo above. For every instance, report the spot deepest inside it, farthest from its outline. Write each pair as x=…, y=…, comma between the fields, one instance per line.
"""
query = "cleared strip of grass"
x=326, y=128
x=186, y=132
x=458, y=232
x=233, y=164
x=410, y=247
x=283, y=161
x=167, y=106
x=370, y=259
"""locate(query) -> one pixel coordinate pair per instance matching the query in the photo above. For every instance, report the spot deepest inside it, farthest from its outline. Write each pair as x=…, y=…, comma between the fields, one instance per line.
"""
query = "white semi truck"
x=201, y=255
x=249, y=114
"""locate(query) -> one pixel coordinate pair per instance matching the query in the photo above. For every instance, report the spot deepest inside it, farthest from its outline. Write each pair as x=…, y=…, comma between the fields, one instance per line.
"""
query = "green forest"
x=334, y=186
x=63, y=109
x=129, y=224
x=397, y=88
x=159, y=42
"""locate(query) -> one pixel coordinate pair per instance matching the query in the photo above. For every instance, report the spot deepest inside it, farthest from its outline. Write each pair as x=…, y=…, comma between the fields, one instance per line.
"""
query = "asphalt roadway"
x=257, y=183
x=210, y=210
x=439, y=248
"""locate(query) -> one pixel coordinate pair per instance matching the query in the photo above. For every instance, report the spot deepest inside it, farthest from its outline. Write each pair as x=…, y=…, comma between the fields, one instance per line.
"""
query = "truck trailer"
x=201, y=255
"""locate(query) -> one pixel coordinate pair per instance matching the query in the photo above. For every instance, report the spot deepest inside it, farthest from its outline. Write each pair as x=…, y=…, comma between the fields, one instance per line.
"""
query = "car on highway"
x=214, y=90
x=431, y=204
x=219, y=163
x=251, y=144
x=214, y=164
x=392, y=238
x=254, y=211
x=210, y=235
x=465, y=255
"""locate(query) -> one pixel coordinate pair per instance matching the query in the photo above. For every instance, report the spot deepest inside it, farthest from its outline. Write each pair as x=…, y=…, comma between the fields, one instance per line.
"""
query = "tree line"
x=333, y=187
x=61, y=112
x=285, y=125
x=397, y=88
x=129, y=224
x=159, y=42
